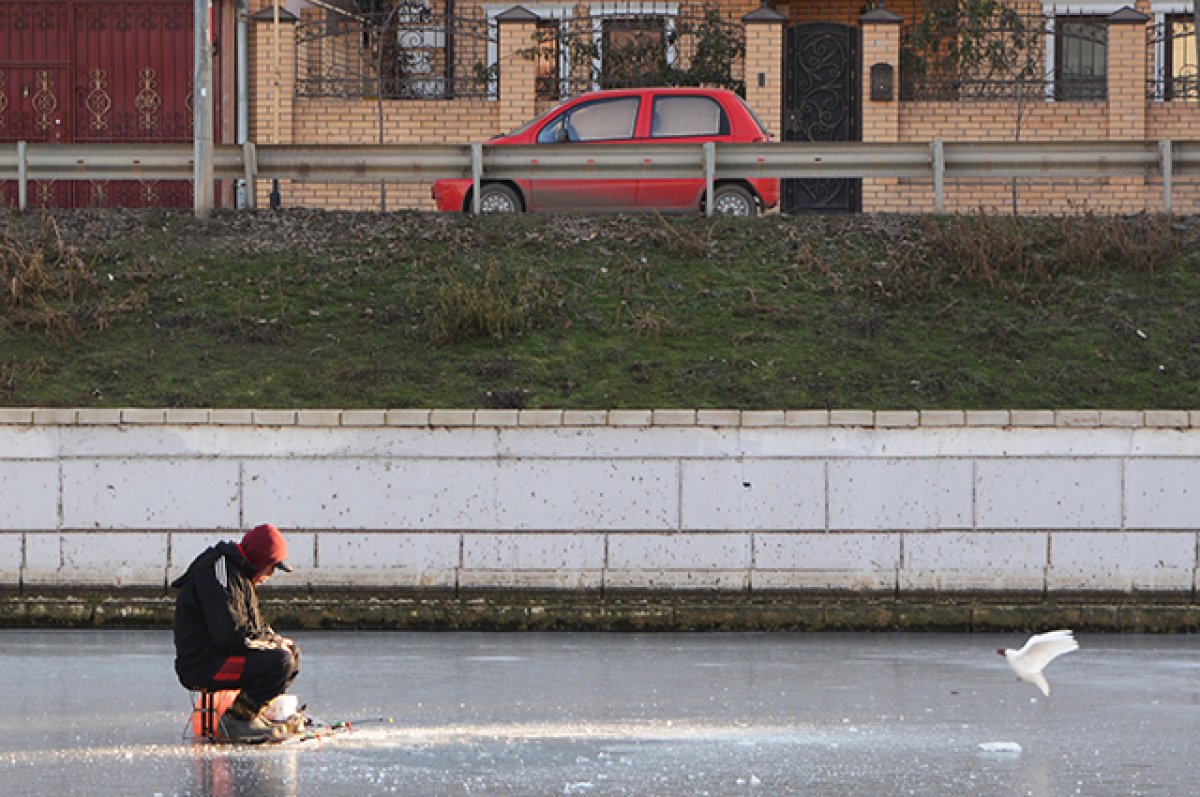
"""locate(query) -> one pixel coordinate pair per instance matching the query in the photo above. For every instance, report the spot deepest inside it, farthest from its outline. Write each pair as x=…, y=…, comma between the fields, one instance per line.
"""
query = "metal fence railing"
x=405, y=51
x=1173, y=66
x=444, y=50
x=1004, y=56
x=936, y=160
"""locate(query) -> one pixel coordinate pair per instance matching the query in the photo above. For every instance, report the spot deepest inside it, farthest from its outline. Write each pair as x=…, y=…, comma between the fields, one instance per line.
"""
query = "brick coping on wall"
x=878, y=419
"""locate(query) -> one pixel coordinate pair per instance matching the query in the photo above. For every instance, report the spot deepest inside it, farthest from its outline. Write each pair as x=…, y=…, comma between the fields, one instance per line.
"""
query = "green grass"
x=303, y=309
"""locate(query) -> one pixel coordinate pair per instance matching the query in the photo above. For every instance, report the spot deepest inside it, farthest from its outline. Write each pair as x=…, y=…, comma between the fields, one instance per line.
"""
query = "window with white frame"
x=1176, y=66
x=632, y=41
x=1077, y=50
x=604, y=45
x=550, y=47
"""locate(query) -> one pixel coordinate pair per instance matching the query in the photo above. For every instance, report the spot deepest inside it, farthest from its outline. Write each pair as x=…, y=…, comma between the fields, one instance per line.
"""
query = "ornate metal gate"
x=74, y=71
x=821, y=103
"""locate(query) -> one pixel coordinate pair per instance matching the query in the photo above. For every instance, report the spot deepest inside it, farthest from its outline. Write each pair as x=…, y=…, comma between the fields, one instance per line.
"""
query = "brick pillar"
x=272, y=76
x=272, y=60
x=881, y=117
x=1127, y=75
x=764, y=66
x=1126, y=105
x=518, y=72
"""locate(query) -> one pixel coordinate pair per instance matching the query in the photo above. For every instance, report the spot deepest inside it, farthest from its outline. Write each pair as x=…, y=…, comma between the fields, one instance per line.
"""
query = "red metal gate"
x=76, y=71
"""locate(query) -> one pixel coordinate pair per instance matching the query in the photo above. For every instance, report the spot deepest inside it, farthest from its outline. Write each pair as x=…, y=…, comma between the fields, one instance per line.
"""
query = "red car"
x=629, y=116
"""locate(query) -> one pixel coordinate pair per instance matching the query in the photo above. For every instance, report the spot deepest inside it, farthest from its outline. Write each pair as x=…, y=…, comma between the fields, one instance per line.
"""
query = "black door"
x=821, y=103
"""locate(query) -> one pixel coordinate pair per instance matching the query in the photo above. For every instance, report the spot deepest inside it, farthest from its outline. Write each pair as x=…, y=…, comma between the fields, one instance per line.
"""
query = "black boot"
x=242, y=723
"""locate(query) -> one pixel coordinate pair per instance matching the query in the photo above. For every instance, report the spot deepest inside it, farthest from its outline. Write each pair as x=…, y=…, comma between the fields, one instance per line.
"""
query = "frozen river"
x=100, y=713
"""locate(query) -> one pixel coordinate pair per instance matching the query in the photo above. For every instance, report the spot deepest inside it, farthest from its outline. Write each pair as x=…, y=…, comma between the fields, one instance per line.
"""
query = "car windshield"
x=518, y=131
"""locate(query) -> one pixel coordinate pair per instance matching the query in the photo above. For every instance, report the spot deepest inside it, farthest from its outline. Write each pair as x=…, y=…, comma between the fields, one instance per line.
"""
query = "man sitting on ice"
x=221, y=641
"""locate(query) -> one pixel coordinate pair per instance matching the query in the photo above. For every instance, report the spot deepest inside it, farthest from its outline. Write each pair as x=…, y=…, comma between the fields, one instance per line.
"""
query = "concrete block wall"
x=1033, y=502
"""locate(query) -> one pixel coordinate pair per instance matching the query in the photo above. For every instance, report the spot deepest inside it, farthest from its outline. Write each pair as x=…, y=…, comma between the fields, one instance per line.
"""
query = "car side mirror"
x=561, y=135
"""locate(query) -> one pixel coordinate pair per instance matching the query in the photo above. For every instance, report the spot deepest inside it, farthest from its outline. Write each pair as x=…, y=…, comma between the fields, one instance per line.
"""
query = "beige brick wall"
x=1064, y=121
x=334, y=121
x=1125, y=116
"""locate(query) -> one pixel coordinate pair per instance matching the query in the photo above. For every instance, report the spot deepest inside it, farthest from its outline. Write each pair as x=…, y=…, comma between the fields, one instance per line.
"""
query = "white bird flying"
x=1040, y=650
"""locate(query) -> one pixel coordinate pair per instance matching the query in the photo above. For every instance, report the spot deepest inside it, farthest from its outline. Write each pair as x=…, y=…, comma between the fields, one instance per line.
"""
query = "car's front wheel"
x=498, y=198
x=733, y=200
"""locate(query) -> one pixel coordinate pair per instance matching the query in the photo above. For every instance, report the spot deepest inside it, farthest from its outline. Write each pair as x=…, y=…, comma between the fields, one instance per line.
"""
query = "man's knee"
x=283, y=661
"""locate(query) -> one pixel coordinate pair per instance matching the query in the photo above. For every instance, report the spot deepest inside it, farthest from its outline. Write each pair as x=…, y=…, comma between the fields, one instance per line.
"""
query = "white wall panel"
x=533, y=561
x=389, y=560
x=1137, y=561
x=121, y=559
x=974, y=560
x=43, y=558
x=12, y=554
x=753, y=494
x=28, y=495
x=1048, y=493
x=680, y=551
x=1162, y=494
x=824, y=551
x=371, y=493
x=149, y=494
x=533, y=551
x=898, y=494
x=580, y=494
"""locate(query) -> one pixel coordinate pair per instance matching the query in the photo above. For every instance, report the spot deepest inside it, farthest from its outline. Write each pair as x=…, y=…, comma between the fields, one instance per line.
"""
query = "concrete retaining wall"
x=879, y=502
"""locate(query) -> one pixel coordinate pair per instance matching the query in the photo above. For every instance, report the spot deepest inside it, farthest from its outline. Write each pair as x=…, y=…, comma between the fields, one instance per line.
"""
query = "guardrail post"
x=1165, y=157
x=22, y=177
x=250, y=169
x=710, y=169
x=476, y=175
x=938, y=149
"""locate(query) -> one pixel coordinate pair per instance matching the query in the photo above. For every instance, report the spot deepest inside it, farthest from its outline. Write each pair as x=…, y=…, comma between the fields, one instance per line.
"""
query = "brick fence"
x=279, y=116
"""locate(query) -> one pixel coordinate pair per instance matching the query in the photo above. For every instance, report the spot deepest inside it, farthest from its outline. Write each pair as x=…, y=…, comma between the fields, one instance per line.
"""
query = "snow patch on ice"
x=1000, y=747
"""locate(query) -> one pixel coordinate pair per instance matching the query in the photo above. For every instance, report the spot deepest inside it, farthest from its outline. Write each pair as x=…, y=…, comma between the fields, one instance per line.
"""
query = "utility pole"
x=202, y=115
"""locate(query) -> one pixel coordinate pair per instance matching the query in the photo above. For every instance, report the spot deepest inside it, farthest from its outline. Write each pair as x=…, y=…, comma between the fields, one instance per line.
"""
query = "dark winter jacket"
x=216, y=614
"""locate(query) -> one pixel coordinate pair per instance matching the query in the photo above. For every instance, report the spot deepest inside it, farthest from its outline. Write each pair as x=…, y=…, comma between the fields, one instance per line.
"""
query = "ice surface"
x=100, y=713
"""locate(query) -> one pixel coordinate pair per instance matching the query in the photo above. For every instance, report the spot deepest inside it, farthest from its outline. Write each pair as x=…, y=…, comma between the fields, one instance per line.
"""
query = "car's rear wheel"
x=498, y=198
x=733, y=200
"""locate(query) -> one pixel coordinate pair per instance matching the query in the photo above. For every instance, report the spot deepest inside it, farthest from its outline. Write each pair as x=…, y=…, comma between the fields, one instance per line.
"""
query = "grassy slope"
x=335, y=310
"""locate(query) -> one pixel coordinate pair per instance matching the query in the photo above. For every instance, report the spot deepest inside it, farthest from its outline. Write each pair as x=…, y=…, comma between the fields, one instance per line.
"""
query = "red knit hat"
x=265, y=546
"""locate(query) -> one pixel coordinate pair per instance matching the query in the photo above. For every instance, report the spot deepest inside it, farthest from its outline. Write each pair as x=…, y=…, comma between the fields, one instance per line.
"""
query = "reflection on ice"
x=243, y=776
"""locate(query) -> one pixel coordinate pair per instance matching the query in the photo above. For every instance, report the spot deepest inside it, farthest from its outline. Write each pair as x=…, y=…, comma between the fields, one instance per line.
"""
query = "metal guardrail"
x=936, y=160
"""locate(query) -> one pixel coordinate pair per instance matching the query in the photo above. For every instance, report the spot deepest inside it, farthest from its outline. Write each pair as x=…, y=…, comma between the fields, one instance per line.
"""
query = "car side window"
x=603, y=120
x=688, y=116
x=552, y=133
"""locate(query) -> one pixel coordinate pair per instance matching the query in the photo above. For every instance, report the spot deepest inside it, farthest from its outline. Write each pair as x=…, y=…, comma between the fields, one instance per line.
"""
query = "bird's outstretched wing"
x=1041, y=649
